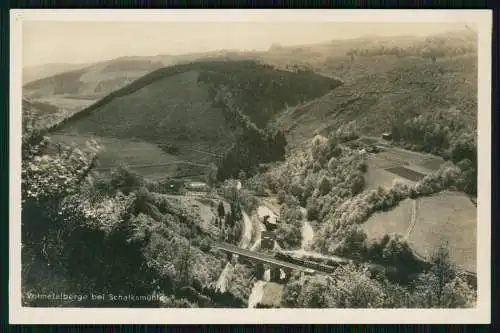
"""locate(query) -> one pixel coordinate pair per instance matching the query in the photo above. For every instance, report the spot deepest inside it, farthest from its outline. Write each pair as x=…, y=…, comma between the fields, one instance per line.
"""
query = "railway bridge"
x=264, y=261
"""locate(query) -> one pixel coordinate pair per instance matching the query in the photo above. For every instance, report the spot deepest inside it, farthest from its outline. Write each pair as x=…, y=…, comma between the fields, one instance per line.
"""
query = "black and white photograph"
x=264, y=163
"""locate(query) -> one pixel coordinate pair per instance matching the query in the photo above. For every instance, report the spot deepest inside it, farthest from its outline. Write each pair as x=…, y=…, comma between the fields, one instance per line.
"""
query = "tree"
x=396, y=251
x=316, y=293
x=354, y=243
x=279, y=144
x=291, y=292
x=125, y=180
x=442, y=267
x=312, y=209
x=324, y=185
x=458, y=294
x=220, y=210
x=433, y=288
x=281, y=196
x=318, y=146
x=211, y=176
x=348, y=287
x=242, y=175
x=184, y=266
x=355, y=289
x=288, y=235
x=464, y=148
x=395, y=296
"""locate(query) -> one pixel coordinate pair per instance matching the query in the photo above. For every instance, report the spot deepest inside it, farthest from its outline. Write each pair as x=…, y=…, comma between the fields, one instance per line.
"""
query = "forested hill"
x=423, y=90
x=208, y=104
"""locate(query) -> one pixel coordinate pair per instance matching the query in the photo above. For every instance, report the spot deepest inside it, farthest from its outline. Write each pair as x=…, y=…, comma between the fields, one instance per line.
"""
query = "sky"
x=85, y=42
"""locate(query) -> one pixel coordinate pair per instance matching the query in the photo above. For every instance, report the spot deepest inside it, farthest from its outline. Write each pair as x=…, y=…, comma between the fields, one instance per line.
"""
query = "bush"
x=281, y=196
x=324, y=185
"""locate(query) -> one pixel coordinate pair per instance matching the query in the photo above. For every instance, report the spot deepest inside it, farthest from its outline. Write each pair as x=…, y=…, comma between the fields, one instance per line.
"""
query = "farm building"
x=267, y=240
x=197, y=186
x=270, y=224
x=170, y=186
x=386, y=136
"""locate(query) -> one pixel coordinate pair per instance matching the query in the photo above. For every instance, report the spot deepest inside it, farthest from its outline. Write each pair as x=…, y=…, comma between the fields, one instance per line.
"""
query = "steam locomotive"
x=308, y=263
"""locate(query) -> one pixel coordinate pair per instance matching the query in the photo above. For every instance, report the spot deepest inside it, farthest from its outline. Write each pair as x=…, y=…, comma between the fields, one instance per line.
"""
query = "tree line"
x=351, y=286
x=433, y=48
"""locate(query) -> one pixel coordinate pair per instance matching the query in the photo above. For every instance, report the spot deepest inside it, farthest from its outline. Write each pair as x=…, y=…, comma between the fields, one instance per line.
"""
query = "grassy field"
x=446, y=217
x=67, y=103
x=126, y=151
x=206, y=209
x=403, y=165
x=450, y=217
x=179, y=114
x=395, y=221
x=406, y=173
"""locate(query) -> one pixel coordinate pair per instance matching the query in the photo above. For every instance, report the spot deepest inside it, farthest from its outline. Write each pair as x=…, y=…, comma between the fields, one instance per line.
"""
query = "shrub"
x=281, y=196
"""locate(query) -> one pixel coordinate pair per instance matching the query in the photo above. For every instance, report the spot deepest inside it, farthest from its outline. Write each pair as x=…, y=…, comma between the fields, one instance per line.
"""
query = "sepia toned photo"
x=253, y=164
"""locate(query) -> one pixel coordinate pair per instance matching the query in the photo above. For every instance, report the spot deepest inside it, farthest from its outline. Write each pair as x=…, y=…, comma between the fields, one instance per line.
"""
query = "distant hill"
x=198, y=111
x=96, y=80
x=389, y=82
x=33, y=73
x=93, y=81
x=73, y=87
x=386, y=81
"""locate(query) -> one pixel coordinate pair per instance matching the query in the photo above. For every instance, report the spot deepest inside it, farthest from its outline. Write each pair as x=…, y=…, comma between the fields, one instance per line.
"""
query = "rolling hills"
x=73, y=87
x=409, y=88
x=182, y=119
x=92, y=81
x=424, y=92
x=96, y=80
x=387, y=81
x=195, y=112
x=37, y=72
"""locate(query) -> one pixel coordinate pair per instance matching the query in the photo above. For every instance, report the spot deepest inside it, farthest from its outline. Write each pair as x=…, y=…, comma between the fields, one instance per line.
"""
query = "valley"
x=355, y=160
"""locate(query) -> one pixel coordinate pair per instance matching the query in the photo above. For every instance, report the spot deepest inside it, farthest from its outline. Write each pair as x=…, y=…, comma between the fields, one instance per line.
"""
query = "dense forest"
x=251, y=149
x=275, y=88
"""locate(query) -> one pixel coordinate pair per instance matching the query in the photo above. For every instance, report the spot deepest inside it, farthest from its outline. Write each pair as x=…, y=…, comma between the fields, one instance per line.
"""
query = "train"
x=308, y=263
x=333, y=264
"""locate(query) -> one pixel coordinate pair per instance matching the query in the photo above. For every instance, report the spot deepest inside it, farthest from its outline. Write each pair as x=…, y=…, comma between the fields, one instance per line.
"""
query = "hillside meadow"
x=447, y=217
